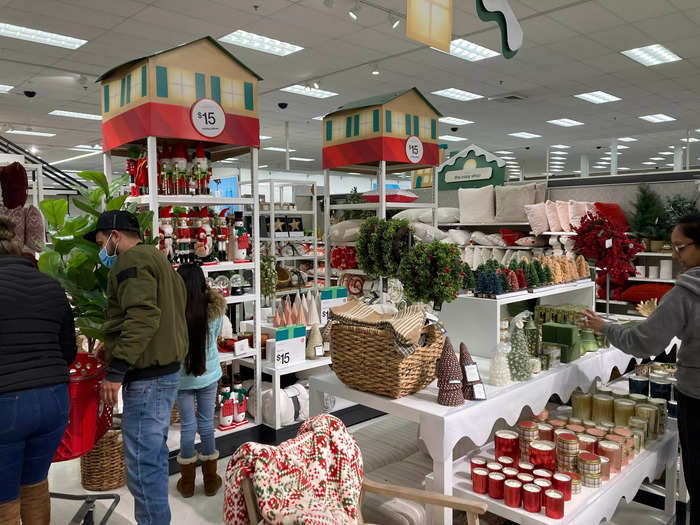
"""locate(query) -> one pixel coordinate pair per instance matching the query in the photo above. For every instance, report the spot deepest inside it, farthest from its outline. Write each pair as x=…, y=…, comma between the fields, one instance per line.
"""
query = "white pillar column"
x=585, y=167
x=286, y=145
x=678, y=159
x=107, y=165
x=152, y=158
x=613, y=157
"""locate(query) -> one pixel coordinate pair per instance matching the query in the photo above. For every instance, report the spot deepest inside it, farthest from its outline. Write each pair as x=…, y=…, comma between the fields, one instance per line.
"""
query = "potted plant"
x=73, y=261
x=649, y=221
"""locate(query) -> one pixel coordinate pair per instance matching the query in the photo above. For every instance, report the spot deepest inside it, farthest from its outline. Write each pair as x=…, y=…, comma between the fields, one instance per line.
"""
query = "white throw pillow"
x=507, y=256
x=498, y=254
x=563, y=212
x=476, y=204
x=468, y=255
x=495, y=239
x=459, y=237
x=577, y=210
x=537, y=217
x=481, y=238
x=345, y=231
x=530, y=241
x=477, y=257
x=444, y=216
x=540, y=192
x=550, y=208
x=412, y=214
x=511, y=201
x=428, y=233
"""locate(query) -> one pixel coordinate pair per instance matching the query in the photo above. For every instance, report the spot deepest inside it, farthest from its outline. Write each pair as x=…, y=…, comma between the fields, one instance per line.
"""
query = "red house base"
x=372, y=150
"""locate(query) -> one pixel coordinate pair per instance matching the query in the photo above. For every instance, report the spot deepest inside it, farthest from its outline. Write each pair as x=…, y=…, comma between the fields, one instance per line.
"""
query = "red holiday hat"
x=200, y=151
x=166, y=154
x=183, y=214
x=222, y=213
x=165, y=212
x=179, y=151
x=204, y=212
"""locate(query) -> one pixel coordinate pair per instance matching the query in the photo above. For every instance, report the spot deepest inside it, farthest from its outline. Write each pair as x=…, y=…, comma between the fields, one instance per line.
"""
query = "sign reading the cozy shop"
x=472, y=167
x=469, y=172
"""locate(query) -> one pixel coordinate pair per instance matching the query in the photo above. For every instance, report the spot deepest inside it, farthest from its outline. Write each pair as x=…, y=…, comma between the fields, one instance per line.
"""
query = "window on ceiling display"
x=135, y=91
x=365, y=123
x=398, y=122
x=231, y=94
x=431, y=18
x=114, y=94
x=181, y=86
x=424, y=128
x=338, y=128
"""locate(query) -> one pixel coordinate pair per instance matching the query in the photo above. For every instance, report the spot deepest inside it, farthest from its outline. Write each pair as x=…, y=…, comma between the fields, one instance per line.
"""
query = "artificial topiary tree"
x=513, y=281
x=469, y=281
x=519, y=356
x=649, y=219
x=534, y=281
x=537, y=265
x=431, y=272
x=548, y=278
x=496, y=286
x=513, y=265
x=504, y=281
x=522, y=283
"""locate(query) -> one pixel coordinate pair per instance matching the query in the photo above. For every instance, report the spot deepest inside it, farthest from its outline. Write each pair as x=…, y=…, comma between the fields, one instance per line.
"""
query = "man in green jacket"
x=145, y=340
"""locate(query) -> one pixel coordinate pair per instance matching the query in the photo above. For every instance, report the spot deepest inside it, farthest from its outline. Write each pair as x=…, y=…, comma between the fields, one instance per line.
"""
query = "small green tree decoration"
x=519, y=356
x=539, y=269
x=431, y=272
x=534, y=279
x=649, y=219
x=505, y=285
x=469, y=281
x=548, y=277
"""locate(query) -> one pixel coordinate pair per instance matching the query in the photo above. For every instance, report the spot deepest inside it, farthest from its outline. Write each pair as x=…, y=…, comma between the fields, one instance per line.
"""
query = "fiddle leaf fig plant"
x=73, y=261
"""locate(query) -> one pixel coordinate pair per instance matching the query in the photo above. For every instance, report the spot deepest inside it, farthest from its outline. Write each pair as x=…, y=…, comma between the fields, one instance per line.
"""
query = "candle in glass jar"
x=525, y=466
x=507, y=444
x=546, y=431
x=543, y=454
x=581, y=405
x=477, y=462
x=554, y=504
x=496, y=480
x=650, y=413
x=562, y=483
x=542, y=473
x=624, y=410
x=604, y=468
x=512, y=493
x=602, y=408
x=480, y=478
x=506, y=461
x=586, y=443
x=510, y=472
x=493, y=466
x=612, y=451
x=545, y=485
x=531, y=497
x=524, y=478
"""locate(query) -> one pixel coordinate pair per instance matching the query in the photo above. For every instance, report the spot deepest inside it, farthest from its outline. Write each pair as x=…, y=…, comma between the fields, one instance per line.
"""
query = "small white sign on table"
x=289, y=346
x=330, y=297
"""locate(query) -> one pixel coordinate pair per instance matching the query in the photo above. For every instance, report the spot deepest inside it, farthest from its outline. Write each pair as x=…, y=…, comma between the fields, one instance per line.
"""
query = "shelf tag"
x=608, y=243
x=319, y=350
x=471, y=372
x=479, y=392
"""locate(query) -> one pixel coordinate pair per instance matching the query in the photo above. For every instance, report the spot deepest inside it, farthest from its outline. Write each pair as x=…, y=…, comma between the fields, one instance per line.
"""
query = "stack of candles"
x=528, y=432
x=567, y=451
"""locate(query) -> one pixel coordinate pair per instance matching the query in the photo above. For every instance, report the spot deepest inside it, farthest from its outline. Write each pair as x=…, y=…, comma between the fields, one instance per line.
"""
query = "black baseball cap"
x=114, y=220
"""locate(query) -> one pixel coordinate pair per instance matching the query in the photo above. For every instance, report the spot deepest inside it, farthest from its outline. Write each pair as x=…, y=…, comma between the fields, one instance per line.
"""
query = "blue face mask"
x=106, y=259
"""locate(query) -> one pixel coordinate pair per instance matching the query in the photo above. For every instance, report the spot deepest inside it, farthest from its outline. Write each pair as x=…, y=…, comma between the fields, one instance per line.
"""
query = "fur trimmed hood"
x=217, y=305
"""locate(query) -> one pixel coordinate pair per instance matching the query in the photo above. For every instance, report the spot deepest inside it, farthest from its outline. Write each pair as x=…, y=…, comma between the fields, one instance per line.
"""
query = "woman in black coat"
x=37, y=345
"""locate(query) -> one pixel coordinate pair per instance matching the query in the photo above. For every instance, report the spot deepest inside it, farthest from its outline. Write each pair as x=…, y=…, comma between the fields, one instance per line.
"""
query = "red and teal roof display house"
x=196, y=92
x=472, y=167
x=400, y=128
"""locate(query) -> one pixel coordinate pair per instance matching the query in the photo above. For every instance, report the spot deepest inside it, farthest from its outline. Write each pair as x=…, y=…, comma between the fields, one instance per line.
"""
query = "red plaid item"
x=313, y=479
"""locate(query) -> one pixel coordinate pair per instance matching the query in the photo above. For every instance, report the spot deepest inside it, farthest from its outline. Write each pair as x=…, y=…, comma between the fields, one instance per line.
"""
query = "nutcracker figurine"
x=131, y=163
x=164, y=170
x=165, y=232
x=141, y=178
x=183, y=251
x=203, y=243
x=199, y=171
x=221, y=235
x=241, y=239
x=240, y=398
x=179, y=164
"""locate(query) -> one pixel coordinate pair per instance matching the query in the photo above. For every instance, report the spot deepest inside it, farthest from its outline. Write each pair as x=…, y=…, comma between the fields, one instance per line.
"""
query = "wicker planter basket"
x=365, y=359
x=103, y=467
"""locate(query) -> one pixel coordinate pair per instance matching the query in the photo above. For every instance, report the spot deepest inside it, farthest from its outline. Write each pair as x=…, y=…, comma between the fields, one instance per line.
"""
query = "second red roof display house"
x=400, y=128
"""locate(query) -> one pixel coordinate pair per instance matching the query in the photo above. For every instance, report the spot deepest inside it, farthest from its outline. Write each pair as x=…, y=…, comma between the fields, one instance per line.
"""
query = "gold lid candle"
x=619, y=394
x=588, y=423
x=661, y=404
x=650, y=413
x=624, y=410
x=612, y=451
x=581, y=405
x=638, y=398
x=602, y=408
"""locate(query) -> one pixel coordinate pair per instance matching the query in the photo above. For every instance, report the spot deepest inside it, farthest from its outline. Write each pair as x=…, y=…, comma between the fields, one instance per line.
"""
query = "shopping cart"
x=88, y=420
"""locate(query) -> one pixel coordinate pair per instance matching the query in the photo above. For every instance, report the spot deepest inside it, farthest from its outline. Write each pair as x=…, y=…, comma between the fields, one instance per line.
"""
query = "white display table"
x=591, y=506
x=442, y=427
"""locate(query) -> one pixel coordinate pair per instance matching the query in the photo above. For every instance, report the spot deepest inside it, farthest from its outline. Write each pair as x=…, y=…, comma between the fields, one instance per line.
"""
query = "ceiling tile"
x=666, y=28
x=586, y=17
x=620, y=38
x=545, y=30
x=634, y=10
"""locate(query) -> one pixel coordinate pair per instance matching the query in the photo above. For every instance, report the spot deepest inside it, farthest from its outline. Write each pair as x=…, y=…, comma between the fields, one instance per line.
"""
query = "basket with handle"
x=103, y=468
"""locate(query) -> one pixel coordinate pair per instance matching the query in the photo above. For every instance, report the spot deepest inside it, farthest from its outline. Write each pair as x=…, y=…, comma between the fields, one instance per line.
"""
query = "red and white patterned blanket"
x=313, y=479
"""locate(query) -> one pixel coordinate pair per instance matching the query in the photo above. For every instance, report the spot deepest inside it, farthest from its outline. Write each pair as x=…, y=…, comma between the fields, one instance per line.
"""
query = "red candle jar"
x=612, y=451
x=543, y=454
x=477, y=462
x=531, y=497
x=542, y=473
x=526, y=466
x=576, y=429
x=492, y=466
x=557, y=423
x=480, y=477
x=562, y=483
x=586, y=443
x=511, y=492
x=546, y=431
x=554, y=504
x=604, y=468
x=545, y=485
x=525, y=478
x=496, y=480
x=507, y=444
x=510, y=472
x=506, y=461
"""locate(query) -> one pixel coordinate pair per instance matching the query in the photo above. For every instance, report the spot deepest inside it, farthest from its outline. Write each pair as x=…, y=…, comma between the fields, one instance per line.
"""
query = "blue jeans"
x=148, y=404
x=206, y=401
x=32, y=424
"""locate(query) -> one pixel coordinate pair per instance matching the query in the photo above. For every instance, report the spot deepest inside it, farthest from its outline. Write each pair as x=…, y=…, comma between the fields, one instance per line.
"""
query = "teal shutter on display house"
x=121, y=97
x=215, y=88
x=348, y=126
x=248, y=95
x=106, y=96
x=200, y=85
x=388, y=121
x=144, y=81
x=433, y=129
x=408, y=124
x=375, y=120
x=416, y=123
x=356, y=123
x=329, y=130
x=161, y=81
x=128, y=88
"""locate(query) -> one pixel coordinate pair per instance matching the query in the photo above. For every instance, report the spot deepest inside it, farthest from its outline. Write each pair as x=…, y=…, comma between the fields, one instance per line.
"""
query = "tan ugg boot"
x=188, y=471
x=9, y=512
x=35, y=504
x=212, y=481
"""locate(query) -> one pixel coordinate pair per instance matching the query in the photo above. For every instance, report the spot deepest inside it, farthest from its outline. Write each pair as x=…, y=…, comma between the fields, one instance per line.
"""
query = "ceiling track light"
x=354, y=11
x=394, y=21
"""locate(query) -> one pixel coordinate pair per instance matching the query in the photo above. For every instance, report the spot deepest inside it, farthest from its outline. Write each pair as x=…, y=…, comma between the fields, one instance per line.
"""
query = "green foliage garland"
x=395, y=245
x=679, y=206
x=365, y=258
x=431, y=272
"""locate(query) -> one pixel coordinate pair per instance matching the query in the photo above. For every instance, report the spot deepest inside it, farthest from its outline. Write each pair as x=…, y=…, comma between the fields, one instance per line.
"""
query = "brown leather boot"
x=9, y=512
x=212, y=481
x=188, y=471
x=35, y=504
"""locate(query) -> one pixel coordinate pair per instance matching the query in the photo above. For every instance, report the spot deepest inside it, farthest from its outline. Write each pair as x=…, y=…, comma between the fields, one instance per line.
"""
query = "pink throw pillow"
x=537, y=217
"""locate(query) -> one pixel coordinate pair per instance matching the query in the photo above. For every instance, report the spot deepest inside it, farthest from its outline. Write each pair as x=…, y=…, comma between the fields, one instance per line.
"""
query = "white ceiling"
x=570, y=47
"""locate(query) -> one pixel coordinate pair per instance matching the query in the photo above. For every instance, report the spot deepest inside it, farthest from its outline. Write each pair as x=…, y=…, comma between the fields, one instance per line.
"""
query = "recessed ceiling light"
x=260, y=43
x=40, y=37
x=316, y=84
x=5, y=88
x=264, y=137
x=308, y=91
x=507, y=157
x=34, y=149
x=671, y=165
x=665, y=153
x=524, y=135
x=648, y=163
x=394, y=21
x=651, y=55
x=320, y=117
x=76, y=157
x=263, y=166
x=503, y=152
x=451, y=138
x=627, y=139
x=622, y=168
x=73, y=114
x=301, y=159
x=622, y=146
x=28, y=132
x=565, y=122
x=467, y=50
x=86, y=147
x=657, y=117
x=375, y=69
x=354, y=11
x=690, y=139
x=598, y=97
x=560, y=146
x=656, y=158
x=457, y=94
x=455, y=121
x=555, y=170
x=275, y=148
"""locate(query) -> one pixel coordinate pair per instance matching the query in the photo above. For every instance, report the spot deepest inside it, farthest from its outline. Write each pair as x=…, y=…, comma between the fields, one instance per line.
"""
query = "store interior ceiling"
x=570, y=47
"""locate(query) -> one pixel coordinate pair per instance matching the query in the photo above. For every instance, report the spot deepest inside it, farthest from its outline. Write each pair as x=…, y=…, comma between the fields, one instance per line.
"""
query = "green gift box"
x=570, y=353
x=334, y=292
x=290, y=332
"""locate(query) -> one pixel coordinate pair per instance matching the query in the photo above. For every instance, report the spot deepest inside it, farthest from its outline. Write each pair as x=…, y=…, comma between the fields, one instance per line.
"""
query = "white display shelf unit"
x=650, y=280
x=238, y=299
x=230, y=357
x=389, y=205
x=191, y=200
x=227, y=267
x=655, y=254
x=492, y=224
x=559, y=234
x=476, y=321
x=288, y=212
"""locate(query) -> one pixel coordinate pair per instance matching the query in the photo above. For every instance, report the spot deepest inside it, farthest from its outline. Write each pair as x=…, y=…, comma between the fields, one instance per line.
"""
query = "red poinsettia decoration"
x=608, y=245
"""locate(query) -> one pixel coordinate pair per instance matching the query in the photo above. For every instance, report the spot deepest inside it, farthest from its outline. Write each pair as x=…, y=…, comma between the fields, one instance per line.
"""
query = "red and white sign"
x=208, y=117
x=414, y=149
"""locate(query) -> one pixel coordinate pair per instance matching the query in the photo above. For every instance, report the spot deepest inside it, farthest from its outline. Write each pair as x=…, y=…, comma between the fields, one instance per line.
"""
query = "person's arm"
x=66, y=336
x=137, y=292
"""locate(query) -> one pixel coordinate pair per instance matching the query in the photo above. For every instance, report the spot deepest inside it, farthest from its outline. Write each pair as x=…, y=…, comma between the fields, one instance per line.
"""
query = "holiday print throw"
x=313, y=479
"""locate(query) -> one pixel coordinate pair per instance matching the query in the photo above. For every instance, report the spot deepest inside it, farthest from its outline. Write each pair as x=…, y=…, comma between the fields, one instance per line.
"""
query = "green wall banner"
x=472, y=167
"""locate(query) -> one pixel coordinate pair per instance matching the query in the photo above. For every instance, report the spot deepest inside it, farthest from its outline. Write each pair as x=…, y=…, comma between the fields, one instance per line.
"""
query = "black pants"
x=688, y=434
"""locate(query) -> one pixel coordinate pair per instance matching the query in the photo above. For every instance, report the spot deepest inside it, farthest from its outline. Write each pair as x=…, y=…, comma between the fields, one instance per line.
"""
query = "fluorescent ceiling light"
x=657, y=117
x=648, y=163
x=301, y=159
x=5, y=88
x=665, y=153
x=598, y=97
x=555, y=170
x=320, y=117
x=226, y=161
x=264, y=137
x=560, y=146
x=40, y=37
x=565, y=122
x=467, y=50
x=263, y=166
x=622, y=146
x=656, y=158
x=455, y=121
x=27, y=132
x=627, y=139
x=354, y=11
x=558, y=157
x=669, y=165
x=308, y=91
x=622, y=168
x=557, y=152
x=275, y=148
x=86, y=147
x=690, y=139
x=507, y=157
x=73, y=114
x=524, y=135
x=503, y=152
x=651, y=55
x=260, y=43
x=451, y=138
x=457, y=94
x=76, y=157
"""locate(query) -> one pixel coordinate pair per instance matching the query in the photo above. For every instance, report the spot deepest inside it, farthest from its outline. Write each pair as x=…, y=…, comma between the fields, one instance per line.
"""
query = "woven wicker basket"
x=365, y=359
x=103, y=467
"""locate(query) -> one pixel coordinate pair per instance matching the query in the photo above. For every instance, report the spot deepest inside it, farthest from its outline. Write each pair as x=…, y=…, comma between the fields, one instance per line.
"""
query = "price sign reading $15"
x=208, y=117
x=414, y=149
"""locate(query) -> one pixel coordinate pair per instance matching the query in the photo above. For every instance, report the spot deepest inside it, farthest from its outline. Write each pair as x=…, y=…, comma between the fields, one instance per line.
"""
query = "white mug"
x=653, y=272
